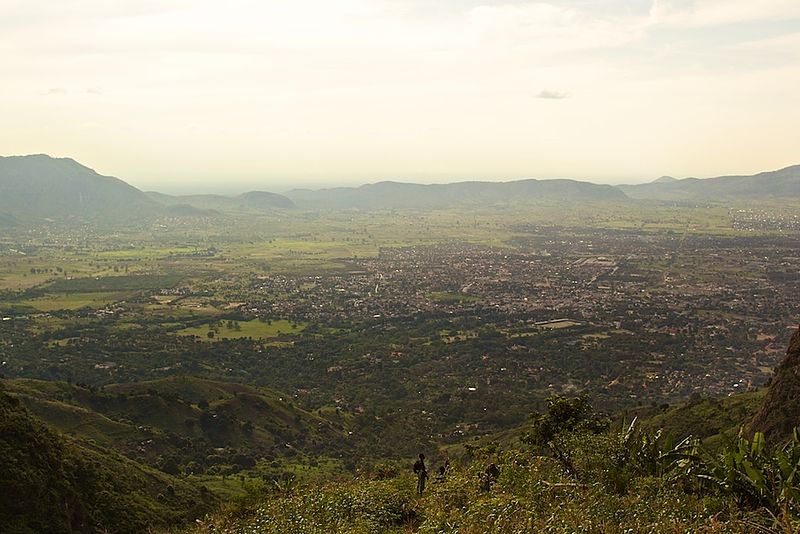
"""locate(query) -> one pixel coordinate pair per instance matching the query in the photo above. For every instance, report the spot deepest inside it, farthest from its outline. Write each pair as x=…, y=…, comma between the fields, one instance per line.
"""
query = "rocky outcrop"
x=780, y=412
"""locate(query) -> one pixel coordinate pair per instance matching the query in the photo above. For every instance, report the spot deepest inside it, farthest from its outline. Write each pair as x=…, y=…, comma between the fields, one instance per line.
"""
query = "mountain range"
x=40, y=187
x=390, y=195
x=781, y=183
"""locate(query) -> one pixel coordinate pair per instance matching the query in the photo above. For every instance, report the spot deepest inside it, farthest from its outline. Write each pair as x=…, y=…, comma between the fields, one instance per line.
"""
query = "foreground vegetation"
x=623, y=481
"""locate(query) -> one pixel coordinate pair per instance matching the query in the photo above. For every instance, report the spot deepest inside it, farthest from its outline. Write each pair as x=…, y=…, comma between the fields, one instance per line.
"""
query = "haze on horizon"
x=178, y=94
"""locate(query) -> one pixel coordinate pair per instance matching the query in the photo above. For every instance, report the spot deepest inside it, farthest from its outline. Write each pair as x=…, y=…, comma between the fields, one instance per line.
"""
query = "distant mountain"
x=37, y=187
x=388, y=195
x=781, y=183
x=41, y=187
x=254, y=201
x=264, y=200
x=664, y=180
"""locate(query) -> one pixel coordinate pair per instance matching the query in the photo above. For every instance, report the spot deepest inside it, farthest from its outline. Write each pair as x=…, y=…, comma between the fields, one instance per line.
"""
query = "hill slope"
x=38, y=186
x=780, y=183
x=183, y=423
x=55, y=484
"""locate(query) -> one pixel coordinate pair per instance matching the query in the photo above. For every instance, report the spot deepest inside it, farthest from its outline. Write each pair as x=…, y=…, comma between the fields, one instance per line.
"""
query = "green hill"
x=52, y=483
x=708, y=419
x=184, y=424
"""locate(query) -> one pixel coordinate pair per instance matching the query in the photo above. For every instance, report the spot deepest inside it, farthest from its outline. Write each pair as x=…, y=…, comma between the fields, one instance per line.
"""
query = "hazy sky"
x=274, y=92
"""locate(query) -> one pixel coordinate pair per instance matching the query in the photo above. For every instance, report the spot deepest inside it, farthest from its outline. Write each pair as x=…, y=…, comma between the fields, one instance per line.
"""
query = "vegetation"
x=189, y=426
x=627, y=480
x=55, y=484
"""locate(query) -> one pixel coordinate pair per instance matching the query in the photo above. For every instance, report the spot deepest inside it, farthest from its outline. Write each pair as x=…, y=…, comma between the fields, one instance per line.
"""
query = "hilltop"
x=38, y=187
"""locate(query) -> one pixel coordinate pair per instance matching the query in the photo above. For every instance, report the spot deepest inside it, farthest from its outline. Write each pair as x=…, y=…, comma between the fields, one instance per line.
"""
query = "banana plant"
x=755, y=475
x=653, y=455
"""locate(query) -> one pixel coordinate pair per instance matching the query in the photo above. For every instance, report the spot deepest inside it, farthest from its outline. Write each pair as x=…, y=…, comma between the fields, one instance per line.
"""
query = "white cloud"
x=554, y=28
x=553, y=95
x=702, y=13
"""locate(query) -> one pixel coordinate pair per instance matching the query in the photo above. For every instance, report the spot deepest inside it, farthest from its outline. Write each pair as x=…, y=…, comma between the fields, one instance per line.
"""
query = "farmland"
x=412, y=327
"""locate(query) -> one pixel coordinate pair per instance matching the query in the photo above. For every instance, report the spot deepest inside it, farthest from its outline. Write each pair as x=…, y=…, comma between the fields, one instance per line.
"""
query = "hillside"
x=183, y=424
x=782, y=183
x=707, y=419
x=52, y=483
x=390, y=195
x=38, y=187
x=574, y=477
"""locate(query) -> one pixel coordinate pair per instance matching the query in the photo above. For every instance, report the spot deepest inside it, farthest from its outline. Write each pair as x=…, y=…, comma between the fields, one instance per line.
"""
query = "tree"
x=565, y=420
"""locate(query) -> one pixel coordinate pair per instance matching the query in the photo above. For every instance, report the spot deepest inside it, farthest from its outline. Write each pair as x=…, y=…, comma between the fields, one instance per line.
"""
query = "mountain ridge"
x=393, y=194
x=783, y=182
x=40, y=187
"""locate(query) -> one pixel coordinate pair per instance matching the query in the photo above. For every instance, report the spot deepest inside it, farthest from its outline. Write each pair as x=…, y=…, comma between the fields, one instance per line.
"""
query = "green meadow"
x=255, y=329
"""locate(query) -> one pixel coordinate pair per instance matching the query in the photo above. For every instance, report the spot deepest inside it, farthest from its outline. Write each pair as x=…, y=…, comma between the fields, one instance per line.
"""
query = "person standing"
x=490, y=476
x=421, y=472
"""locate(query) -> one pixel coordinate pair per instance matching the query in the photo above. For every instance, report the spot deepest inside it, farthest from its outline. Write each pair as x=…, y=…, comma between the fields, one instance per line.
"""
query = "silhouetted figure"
x=421, y=472
x=443, y=471
x=440, y=475
x=490, y=476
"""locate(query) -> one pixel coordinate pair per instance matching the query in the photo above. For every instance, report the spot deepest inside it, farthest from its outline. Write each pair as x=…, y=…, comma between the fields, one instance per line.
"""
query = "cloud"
x=553, y=27
x=54, y=91
x=355, y=81
x=553, y=95
x=709, y=13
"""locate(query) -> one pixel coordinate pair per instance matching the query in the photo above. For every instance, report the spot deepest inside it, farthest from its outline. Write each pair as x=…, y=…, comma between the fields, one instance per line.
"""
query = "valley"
x=409, y=329
x=240, y=346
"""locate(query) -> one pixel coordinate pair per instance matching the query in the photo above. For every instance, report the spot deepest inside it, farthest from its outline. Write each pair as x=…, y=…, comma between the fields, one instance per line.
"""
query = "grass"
x=255, y=329
x=530, y=495
x=74, y=301
x=709, y=418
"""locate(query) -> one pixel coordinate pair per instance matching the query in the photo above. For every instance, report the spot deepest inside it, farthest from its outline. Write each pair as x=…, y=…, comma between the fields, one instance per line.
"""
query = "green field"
x=255, y=329
x=74, y=301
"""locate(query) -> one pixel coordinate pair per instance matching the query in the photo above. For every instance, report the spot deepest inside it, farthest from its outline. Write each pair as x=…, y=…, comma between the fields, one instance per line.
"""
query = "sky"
x=182, y=95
